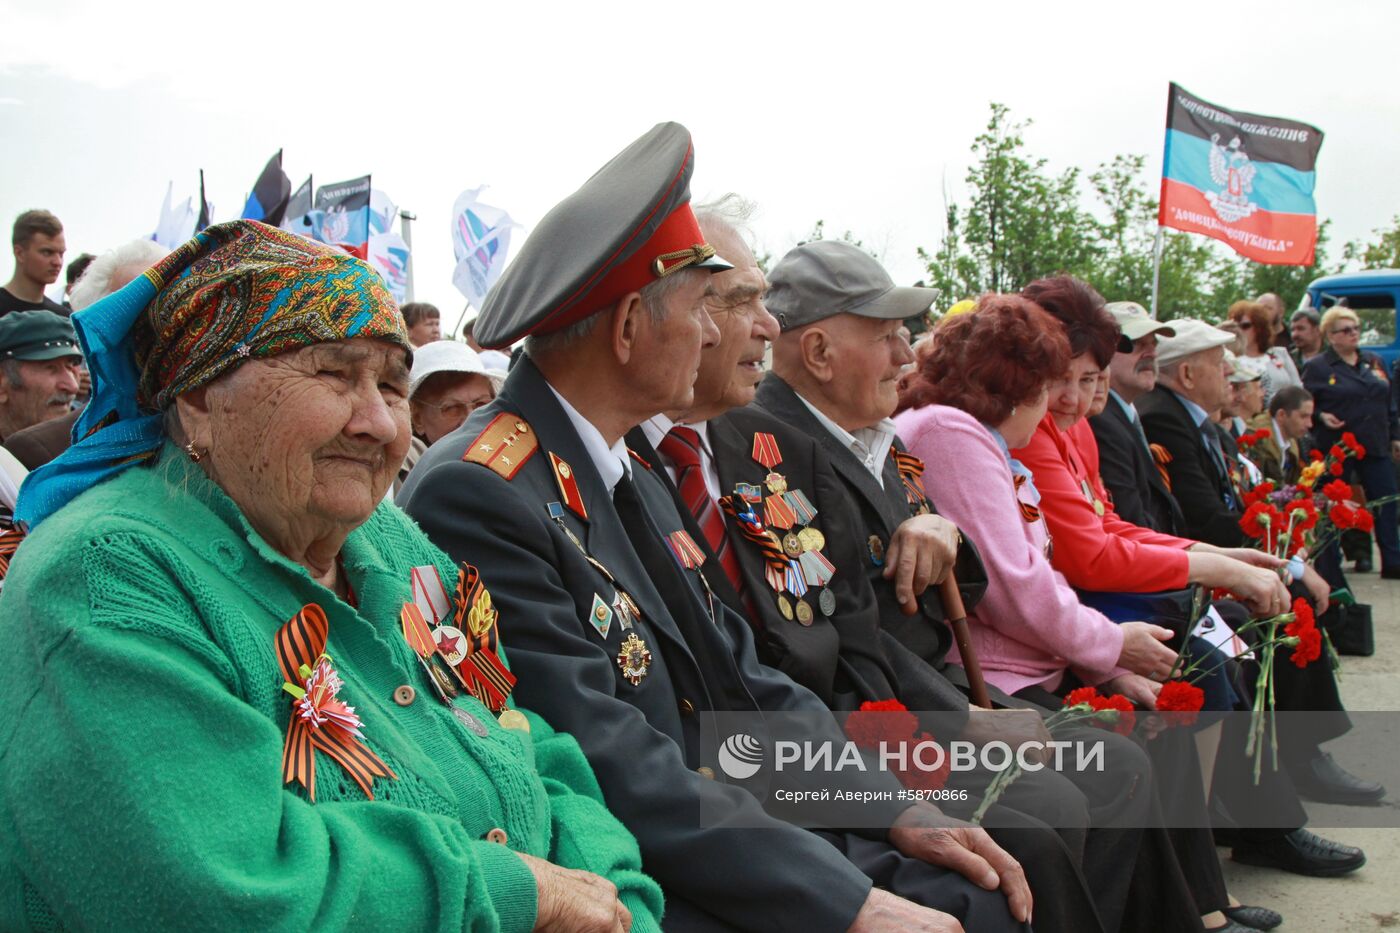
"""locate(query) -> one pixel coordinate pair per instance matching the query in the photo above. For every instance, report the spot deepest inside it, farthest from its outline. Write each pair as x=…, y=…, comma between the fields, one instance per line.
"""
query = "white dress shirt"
x=612, y=463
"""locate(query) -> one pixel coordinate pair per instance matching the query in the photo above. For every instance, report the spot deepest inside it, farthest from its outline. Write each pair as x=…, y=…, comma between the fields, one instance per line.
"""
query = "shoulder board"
x=504, y=446
x=638, y=457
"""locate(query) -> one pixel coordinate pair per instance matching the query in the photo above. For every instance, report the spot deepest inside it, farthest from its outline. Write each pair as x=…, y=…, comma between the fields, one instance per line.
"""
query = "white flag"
x=382, y=211
x=480, y=241
x=388, y=253
x=176, y=224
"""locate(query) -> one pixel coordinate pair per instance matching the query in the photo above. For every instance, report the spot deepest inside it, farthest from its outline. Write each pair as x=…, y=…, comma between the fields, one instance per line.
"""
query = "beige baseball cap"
x=1191, y=336
x=1134, y=321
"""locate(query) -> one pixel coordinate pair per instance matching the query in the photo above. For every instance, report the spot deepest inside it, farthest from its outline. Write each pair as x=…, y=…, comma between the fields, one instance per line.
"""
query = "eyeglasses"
x=1349, y=329
x=457, y=410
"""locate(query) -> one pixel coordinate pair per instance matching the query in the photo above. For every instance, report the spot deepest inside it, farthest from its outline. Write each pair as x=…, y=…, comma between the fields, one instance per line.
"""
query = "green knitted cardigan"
x=142, y=719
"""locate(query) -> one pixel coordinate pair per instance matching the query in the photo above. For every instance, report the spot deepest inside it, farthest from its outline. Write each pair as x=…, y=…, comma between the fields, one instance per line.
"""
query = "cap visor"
x=900, y=302
x=46, y=353
x=715, y=264
x=1136, y=330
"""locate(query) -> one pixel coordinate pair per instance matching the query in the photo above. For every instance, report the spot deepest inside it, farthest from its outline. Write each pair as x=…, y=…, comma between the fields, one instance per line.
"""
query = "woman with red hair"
x=1273, y=364
x=980, y=391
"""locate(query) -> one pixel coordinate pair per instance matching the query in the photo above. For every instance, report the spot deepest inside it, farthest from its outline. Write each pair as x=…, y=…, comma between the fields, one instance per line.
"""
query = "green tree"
x=1020, y=222
x=1384, y=253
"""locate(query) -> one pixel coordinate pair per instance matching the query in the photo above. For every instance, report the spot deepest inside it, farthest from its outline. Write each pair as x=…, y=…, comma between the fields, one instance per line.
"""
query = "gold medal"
x=792, y=545
x=514, y=719
x=634, y=659
x=804, y=612
x=776, y=484
x=812, y=539
x=785, y=607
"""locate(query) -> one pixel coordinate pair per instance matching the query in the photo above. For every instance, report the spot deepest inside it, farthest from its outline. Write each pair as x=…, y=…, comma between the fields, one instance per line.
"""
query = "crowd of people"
x=326, y=621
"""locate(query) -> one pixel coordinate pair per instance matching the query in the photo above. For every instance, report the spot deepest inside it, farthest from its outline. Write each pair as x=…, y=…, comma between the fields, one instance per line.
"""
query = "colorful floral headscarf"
x=237, y=291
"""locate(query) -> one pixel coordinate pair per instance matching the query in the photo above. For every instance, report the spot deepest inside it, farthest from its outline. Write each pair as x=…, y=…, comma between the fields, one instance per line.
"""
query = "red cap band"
x=678, y=232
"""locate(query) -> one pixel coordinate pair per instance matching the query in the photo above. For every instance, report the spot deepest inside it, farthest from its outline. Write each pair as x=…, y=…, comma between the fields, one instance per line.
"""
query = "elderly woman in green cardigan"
x=240, y=690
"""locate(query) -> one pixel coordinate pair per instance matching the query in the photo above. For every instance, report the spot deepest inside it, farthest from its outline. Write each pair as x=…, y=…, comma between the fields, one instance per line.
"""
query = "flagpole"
x=406, y=219
x=1156, y=269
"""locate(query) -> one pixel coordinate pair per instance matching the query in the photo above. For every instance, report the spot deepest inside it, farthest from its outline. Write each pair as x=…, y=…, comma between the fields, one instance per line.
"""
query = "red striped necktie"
x=681, y=446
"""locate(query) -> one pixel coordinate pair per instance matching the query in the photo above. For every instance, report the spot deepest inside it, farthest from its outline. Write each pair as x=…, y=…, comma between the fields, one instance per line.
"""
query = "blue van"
x=1373, y=295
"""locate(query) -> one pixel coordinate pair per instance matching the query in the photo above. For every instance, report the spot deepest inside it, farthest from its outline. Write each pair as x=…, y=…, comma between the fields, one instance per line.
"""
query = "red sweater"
x=1094, y=551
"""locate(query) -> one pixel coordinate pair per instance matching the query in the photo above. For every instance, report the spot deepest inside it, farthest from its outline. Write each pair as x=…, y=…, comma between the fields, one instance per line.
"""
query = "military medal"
x=451, y=644
x=785, y=607
x=877, y=550
x=684, y=549
x=826, y=602
x=803, y=612
x=633, y=659
x=513, y=719
x=623, y=605
x=792, y=544
x=601, y=615
x=1092, y=499
x=811, y=539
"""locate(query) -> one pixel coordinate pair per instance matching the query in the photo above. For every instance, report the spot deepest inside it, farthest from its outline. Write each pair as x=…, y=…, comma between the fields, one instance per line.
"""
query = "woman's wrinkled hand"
x=573, y=901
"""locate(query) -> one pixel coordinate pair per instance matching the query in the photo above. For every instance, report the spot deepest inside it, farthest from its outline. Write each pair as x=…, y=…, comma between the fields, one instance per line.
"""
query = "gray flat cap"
x=827, y=277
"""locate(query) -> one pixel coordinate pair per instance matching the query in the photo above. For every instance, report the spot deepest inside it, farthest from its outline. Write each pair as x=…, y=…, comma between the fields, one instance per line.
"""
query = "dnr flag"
x=1242, y=178
x=268, y=202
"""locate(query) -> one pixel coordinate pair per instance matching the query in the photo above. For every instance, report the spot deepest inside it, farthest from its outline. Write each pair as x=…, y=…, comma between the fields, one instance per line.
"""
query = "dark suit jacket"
x=869, y=662
x=1356, y=395
x=39, y=443
x=1197, y=484
x=642, y=740
x=881, y=511
x=1131, y=476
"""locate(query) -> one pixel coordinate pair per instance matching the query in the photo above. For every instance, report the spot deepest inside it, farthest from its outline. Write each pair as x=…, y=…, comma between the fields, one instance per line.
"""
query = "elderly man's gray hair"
x=113, y=269
x=654, y=296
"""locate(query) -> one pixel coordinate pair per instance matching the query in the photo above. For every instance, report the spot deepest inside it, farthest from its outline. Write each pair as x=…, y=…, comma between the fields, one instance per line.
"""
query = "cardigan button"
x=405, y=695
x=498, y=836
x=706, y=772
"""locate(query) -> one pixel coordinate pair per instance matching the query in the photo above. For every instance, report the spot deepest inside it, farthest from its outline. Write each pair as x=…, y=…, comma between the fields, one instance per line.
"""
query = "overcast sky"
x=857, y=113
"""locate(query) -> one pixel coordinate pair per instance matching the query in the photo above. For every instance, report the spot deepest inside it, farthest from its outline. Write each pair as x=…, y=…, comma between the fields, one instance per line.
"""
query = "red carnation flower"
x=1315, y=455
x=1257, y=519
x=1081, y=695
x=1337, y=491
x=879, y=721
x=1336, y=468
x=917, y=778
x=1304, y=628
x=1343, y=516
x=1182, y=700
x=1365, y=521
x=1308, y=509
x=1126, y=718
x=1336, y=452
x=1348, y=438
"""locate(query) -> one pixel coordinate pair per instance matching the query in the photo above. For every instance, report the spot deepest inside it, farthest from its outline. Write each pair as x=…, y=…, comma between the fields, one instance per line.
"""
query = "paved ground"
x=1370, y=898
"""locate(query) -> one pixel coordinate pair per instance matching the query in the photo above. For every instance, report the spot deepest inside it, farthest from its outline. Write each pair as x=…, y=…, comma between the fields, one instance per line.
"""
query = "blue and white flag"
x=480, y=241
x=382, y=211
x=388, y=253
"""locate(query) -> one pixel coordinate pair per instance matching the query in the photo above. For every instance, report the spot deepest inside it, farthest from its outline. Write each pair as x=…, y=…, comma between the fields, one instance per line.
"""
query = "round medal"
x=514, y=719
x=826, y=602
x=470, y=721
x=776, y=484
x=812, y=539
x=804, y=612
x=785, y=607
x=451, y=643
x=792, y=545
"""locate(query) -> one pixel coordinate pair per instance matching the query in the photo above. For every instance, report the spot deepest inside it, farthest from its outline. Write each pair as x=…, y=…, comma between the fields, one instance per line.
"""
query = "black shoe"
x=1302, y=853
x=1323, y=780
x=1256, y=918
x=1362, y=565
x=1390, y=573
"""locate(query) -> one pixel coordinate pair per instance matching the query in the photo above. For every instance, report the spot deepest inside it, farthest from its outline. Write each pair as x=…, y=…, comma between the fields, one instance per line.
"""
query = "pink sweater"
x=1030, y=625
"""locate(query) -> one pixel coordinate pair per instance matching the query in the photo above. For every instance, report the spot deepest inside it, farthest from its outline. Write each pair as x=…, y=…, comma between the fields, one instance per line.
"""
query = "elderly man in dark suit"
x=1127, y=466
x=615, y=636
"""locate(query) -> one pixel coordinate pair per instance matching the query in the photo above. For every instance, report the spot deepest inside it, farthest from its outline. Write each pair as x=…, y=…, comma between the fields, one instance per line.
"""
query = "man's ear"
x=816, y=351
x=624, y=325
